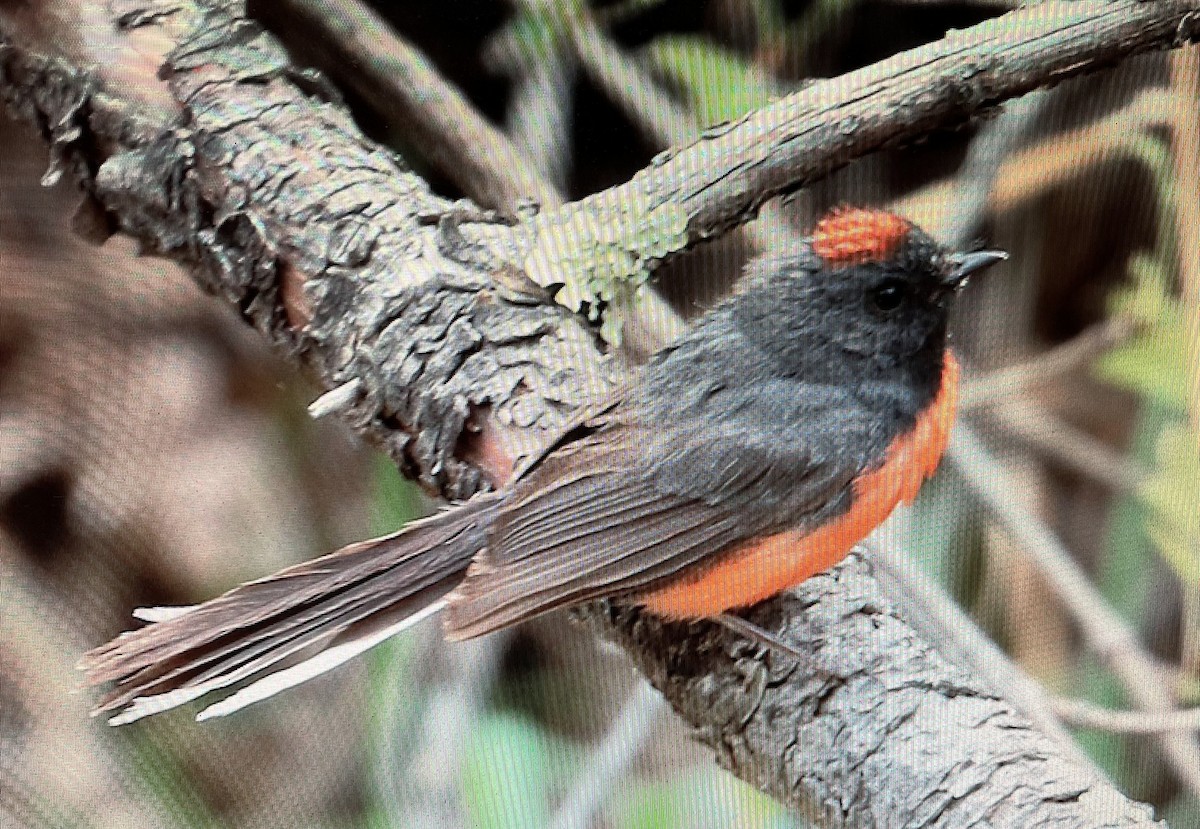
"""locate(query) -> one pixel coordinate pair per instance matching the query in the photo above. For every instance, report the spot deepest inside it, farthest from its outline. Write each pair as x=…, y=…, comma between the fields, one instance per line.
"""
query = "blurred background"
x=152, y=452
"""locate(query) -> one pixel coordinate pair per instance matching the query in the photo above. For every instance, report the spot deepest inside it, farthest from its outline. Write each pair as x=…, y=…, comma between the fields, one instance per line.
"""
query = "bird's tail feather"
x=326, y=610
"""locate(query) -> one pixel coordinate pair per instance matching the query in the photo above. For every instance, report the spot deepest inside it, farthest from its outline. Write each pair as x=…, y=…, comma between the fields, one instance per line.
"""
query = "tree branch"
x=401, y=83
x=1083, y=714
x=330, y=247
x=358, y=48
x=980, y=392
x=724, y=176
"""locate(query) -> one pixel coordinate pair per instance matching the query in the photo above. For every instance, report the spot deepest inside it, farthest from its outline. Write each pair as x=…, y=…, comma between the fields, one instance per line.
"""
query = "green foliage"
x=941, y=529
x=535, y=32
x=1126, y=578
x=770, y=17
x=1172, y=494
x=706, y=797
x=394, y=708
x=600, y=249
x=397, y=500
x=1108, y=750
x=720, y=84
x=397, y=704
x=160, y=767
x=1153, y=363
x=1182, y=811
x=509, y=772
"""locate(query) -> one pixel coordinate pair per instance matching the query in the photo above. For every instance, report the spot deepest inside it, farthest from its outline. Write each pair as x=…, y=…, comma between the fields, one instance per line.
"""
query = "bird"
x=777, y=432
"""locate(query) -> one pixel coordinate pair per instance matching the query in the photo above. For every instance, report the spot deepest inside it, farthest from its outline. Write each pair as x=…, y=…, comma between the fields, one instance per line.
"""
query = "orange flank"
x=764, y=567
x=850, y=235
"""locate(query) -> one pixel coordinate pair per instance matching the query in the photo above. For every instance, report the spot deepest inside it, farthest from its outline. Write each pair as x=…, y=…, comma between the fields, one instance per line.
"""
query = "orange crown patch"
x=848, y=235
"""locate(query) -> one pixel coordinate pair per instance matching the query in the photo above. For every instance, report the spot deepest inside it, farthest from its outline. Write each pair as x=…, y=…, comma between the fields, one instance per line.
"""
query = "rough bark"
x=723, y=177
x=450, y=358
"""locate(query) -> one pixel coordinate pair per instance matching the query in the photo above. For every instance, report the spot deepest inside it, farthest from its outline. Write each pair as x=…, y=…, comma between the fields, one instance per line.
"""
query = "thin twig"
x=1039, y=428
x=1083, y=714
x=661, y=118
x=452, y=712
x=1033, y=170
x=539, y=114
x=978, y=173
x=1076, y=353
x=1106, y=633
x=612, y=757
x=416, y=761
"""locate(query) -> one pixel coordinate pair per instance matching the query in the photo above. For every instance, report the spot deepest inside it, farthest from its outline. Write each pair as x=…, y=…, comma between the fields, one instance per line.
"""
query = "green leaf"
x=704, y=797
x=1153, y=363
x=509, y=770
x=534, y=32
x=720, y=84
x=397, y=500
x=1173, y=495
x=941, y=529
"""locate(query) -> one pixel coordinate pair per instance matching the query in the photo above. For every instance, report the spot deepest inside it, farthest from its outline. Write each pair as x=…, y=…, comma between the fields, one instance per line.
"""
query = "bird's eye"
x=888, y=295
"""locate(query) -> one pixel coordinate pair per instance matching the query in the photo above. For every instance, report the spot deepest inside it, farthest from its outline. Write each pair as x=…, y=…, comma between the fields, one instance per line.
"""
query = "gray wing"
x=621, y=509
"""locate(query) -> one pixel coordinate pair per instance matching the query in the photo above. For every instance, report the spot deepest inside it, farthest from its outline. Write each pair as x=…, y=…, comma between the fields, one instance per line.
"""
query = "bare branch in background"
x=1107, y=635
x=1083, y=714
x=999, y=397
x=1034, y=170
x=611, y=759
x=1038, y=428
x=539, y=113
x=419, y=777
x=977, y=175
x=1005, y=383
x=658, y=115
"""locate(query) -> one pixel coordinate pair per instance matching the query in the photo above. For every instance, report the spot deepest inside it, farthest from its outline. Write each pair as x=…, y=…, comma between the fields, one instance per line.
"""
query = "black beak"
x=964, y=264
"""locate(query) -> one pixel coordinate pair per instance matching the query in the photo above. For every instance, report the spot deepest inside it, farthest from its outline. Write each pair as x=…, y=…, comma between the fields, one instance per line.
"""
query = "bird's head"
x=867, y=283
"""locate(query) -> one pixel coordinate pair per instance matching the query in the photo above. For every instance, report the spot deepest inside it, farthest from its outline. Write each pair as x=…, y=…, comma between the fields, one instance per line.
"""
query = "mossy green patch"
x=601, y=250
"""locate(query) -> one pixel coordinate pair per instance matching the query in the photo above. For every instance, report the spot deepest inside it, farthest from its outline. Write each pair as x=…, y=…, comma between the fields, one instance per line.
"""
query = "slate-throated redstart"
x=755, y=451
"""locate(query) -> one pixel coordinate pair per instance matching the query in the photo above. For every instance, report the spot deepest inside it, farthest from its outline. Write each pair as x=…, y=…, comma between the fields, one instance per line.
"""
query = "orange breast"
x=764, y=567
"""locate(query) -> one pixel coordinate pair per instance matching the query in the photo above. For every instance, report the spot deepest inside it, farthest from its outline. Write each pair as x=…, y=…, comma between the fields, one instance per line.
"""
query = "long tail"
x=329, y=610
